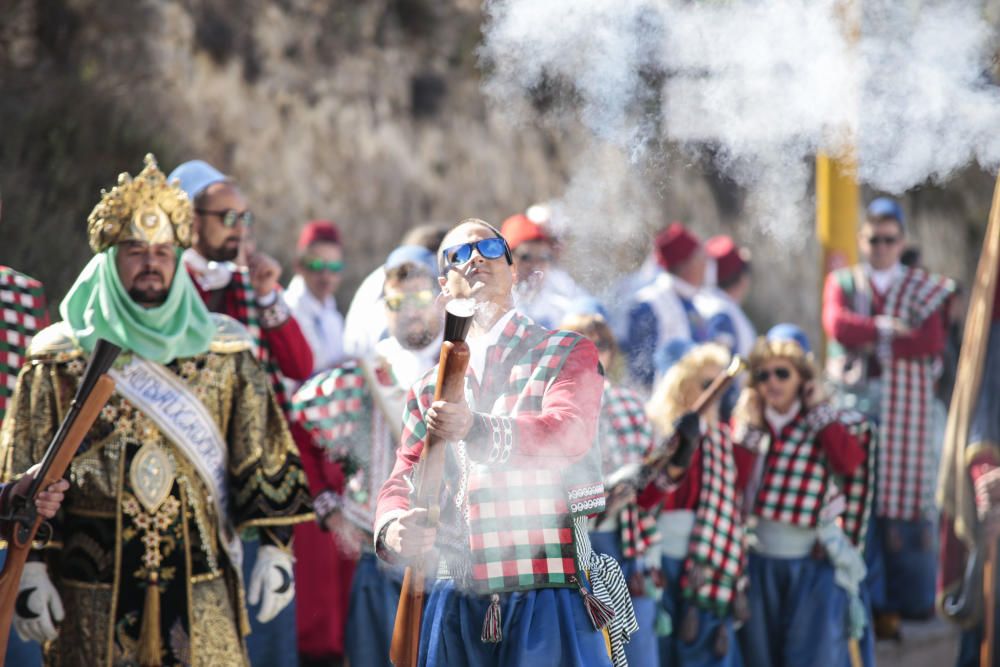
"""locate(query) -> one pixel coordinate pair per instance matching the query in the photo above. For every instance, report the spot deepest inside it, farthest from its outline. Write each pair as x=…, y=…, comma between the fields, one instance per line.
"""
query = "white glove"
x=271, y=582
x=38, y=607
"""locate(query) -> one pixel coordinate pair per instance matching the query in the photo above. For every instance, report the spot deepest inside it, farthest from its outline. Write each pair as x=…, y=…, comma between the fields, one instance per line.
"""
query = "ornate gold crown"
x=145, y=208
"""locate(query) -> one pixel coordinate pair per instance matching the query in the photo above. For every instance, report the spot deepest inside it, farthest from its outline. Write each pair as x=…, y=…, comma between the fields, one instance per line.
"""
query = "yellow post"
x=837, y=206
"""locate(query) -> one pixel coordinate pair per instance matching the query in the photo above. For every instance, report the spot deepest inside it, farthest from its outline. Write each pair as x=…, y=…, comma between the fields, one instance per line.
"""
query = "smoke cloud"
x=759, y=87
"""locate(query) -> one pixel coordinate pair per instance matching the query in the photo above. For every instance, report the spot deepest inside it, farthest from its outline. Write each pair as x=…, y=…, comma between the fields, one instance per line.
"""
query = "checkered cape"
x=247, y=313
x=716, y=546
x=907, y=470
x=797, y=483
x=336, y=407
x=626, y=437
x=23, y=313
x=519, y=523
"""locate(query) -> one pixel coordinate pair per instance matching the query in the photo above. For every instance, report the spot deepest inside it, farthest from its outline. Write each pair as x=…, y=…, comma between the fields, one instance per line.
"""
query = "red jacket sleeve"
x=981, y=464
x=321, y=473
x=840, y=322
x=290, y=349
x=927, y=341
x=395, y=493
x=842, y=449
x=745, y=460
x=680, y=495
x=565, y=428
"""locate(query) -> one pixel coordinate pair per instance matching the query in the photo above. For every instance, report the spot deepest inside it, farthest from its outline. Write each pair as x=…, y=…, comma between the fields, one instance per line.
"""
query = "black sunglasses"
x=492, y=248
x=762, y=376
x=883, y=240
x=230, y=217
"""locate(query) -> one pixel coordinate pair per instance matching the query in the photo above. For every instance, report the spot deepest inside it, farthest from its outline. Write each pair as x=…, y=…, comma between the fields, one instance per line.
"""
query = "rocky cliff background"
x=368, y=113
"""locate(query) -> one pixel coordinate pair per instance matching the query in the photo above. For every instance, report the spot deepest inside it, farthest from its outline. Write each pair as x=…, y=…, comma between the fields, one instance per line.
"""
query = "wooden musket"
x=639, y=475
x=450, y=387
x=94, y=391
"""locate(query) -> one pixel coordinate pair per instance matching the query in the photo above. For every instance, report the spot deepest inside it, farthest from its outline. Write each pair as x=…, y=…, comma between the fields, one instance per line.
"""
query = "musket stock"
x=94, y=391
x=450, y=387
x=638, y=476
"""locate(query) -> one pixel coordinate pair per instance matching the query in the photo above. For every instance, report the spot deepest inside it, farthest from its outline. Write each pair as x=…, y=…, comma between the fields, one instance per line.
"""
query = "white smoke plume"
x=761, y=85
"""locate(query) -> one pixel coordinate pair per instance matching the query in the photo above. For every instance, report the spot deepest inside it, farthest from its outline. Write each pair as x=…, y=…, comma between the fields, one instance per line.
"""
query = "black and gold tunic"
x=111, y=543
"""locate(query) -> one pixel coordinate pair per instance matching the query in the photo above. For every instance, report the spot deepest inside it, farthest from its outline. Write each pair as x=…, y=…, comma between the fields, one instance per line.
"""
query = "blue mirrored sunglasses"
x=491, y=248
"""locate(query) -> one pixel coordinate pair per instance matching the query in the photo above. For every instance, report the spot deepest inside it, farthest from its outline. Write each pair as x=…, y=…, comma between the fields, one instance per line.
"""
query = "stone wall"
x=368, y=113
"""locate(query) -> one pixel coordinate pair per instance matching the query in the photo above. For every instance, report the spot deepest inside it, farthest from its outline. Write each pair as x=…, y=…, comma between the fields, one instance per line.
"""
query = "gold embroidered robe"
x=106, y=544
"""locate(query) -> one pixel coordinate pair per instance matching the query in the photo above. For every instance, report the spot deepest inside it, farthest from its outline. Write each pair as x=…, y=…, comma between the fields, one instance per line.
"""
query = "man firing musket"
x=521, y=476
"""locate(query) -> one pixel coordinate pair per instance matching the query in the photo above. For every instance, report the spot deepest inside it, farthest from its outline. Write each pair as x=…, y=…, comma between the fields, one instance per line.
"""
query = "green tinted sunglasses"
x=317, y=265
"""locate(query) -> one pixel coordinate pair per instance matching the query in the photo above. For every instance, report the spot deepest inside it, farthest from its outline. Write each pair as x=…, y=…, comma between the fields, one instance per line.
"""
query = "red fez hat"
x=318, y=230
x=518, y=228
x=675, y=245
x=729, y=258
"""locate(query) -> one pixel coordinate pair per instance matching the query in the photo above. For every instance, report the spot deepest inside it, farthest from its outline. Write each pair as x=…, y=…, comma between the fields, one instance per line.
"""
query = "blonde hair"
x=667, y=403
x=763, y=351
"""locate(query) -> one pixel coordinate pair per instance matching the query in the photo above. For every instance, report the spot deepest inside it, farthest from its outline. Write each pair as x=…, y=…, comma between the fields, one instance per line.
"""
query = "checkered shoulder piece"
x=798, y=482
x=625, y=433
x=248, y=314
x=334, y=405
x=23, y=313
x=715, y=552
x=907, y=464
x=626, y=436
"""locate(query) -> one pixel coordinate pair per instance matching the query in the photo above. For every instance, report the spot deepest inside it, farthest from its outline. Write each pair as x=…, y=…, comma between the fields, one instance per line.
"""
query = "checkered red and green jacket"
x=337, y=410
x=23, y=313
x=626, y=436
x=798, y=481
x=907, y=463
x=906, y=460
x=527, y=468
x=716, y=546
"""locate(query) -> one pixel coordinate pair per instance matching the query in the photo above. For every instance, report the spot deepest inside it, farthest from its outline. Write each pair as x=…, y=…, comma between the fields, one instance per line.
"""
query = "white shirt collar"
x=883, y=279
x=299, y=292
x=682, y=287
x=479, y=344
x=407, y=365
x=778, y=420
x=210, y=275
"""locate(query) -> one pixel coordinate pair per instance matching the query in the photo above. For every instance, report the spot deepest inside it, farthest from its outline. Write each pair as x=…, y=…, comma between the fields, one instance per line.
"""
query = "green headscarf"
x=97, y=306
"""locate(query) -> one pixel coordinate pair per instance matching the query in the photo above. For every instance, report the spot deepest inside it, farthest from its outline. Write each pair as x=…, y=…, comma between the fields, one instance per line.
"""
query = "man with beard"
x=352, y=413
x=250, y=295
x=192, y=448
x=520, y=582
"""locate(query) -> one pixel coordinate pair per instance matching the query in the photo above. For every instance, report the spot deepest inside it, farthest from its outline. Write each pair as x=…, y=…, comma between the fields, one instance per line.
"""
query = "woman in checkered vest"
x=700, y=552
x=519, y=583
x=624, y=530
x=808, y=503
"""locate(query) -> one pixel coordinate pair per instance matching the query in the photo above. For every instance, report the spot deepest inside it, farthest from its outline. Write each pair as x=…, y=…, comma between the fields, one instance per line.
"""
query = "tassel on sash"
x=492, y=624
x=600, y=614
x=150, y=641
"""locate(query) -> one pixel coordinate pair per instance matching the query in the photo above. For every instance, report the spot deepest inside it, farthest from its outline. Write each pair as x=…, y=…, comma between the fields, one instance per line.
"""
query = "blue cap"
x=790, y=332
x=586, y=305
x=195, y=176
x=670, y=353
x=412, y=254
x=886, y=207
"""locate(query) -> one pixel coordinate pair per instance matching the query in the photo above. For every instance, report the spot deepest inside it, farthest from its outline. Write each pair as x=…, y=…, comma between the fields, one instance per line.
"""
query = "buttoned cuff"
x=274, y=315
x=325, y=504
x=491, y=438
